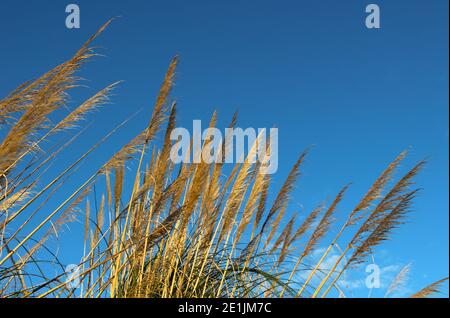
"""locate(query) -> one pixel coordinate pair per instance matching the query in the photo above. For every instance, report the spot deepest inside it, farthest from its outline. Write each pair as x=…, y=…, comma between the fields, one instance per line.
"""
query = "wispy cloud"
x=353, y=281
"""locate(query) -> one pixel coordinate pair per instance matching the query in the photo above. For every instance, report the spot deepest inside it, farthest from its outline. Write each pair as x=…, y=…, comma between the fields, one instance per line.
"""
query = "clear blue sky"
x=310, y=68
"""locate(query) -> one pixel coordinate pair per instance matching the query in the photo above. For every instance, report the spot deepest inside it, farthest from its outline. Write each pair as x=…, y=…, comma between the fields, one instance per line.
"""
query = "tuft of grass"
x=192, y=230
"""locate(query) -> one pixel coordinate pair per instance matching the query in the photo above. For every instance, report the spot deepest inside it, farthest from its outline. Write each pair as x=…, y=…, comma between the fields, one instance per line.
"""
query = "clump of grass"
x=180, y=231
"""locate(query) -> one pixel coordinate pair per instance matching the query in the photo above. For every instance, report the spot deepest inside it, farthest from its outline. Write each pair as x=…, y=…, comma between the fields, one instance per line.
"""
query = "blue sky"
x=310, y=68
